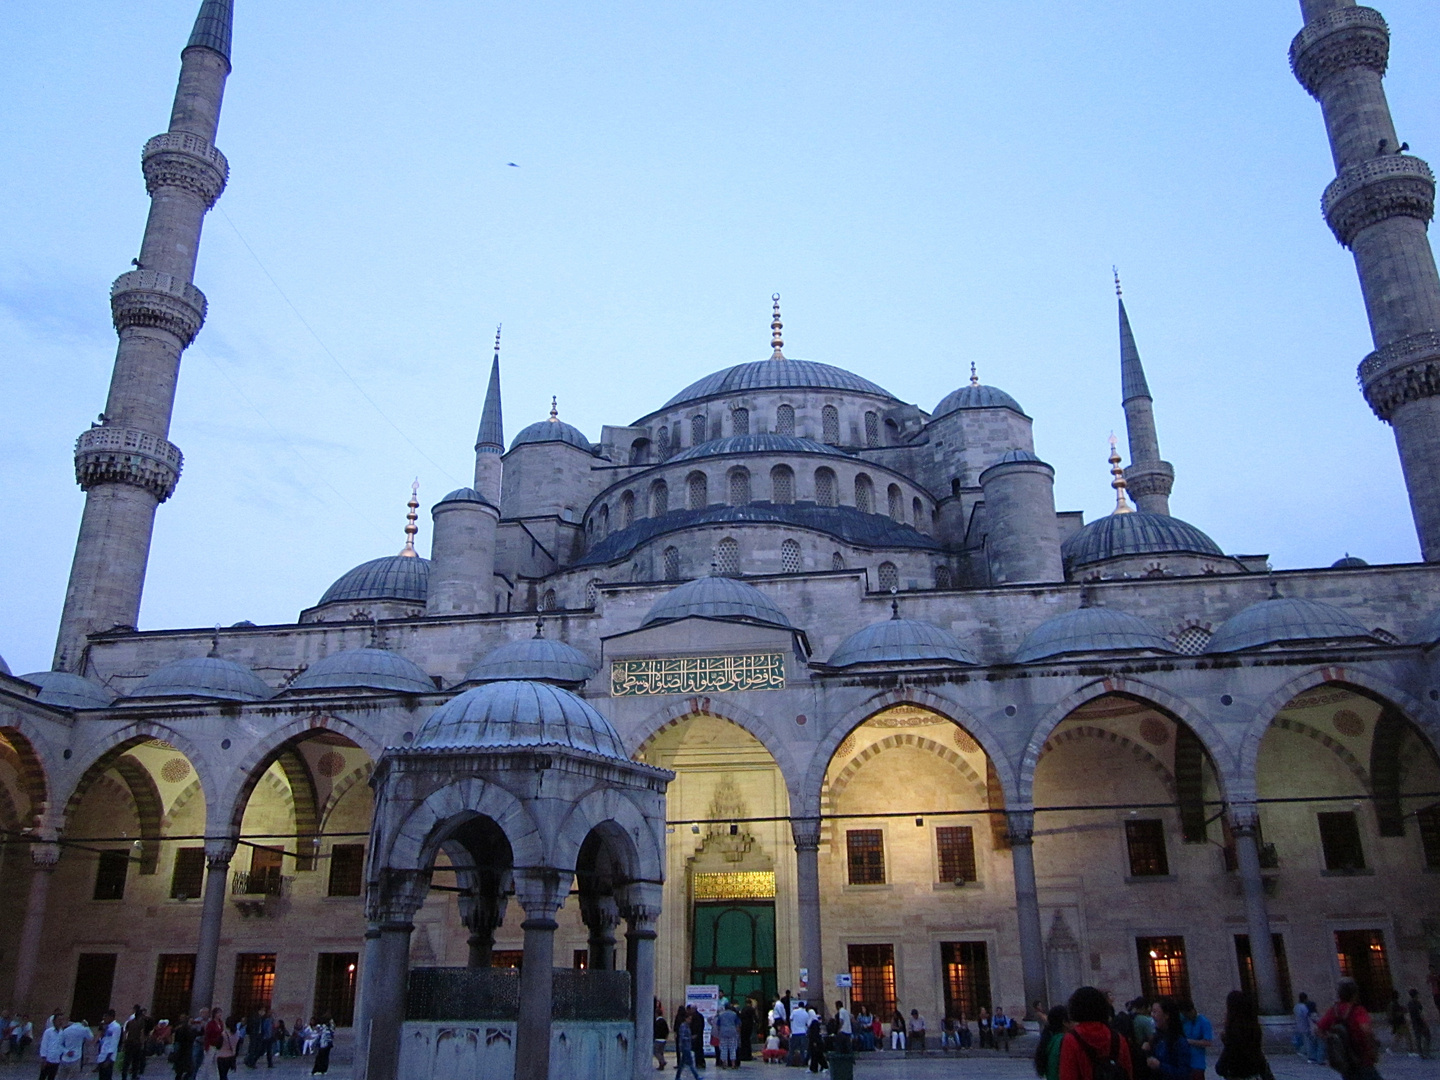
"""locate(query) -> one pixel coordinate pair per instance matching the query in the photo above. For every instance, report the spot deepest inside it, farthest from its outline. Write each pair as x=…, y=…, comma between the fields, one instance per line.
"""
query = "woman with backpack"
x=1091, y=1050
x=1169, y=1050
x=1349, y=1041
x=1047, y=1050
x=1243, y=1056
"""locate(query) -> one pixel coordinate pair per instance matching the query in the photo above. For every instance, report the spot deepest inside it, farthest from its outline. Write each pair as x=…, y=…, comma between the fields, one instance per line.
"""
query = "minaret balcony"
x=1394, y=185
x=180, y=159
x=154, y=299
x=116, y=455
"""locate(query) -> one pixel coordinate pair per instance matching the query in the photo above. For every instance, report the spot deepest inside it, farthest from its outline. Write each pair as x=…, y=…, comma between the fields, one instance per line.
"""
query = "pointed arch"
x=1309, y=731
x=417, y=838
x=674, y=712
x=149, y=808
x=343, y=787
x=102, y=754
x=624, y=827
x=181, y=801
x=918, y=742
x=29, y=769
x=305, y=801
x=1121, y=743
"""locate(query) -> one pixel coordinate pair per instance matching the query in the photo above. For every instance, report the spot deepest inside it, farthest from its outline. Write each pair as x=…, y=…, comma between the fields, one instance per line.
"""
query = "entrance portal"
x=734, y=948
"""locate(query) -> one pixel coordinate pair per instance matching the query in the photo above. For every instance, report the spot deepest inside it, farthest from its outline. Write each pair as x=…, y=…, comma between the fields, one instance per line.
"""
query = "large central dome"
x=777, y=374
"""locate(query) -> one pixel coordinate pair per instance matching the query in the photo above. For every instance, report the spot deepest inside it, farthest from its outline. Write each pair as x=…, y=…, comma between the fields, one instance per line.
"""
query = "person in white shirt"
x=109, y=1045
x=50, y=1046
x=800, y=1018
x=62, y=1047
x=842, y=1038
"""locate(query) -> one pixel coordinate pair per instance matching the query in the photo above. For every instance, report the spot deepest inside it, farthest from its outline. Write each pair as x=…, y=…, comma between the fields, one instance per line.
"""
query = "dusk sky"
x=926, y=184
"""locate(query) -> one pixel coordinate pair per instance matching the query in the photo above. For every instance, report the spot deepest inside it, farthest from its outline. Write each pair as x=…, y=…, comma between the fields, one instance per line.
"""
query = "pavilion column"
x=540, y=891
x=43, y=858
x=218, y=853
x=391, y=909
x=1021, y=827
x=807, y=902
x=641, y=909
x=1245, y=828
x=601, y=916
x=483, y=915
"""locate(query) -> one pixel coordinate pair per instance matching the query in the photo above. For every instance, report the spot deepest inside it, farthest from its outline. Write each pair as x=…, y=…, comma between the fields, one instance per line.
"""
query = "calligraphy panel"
x=698, y=674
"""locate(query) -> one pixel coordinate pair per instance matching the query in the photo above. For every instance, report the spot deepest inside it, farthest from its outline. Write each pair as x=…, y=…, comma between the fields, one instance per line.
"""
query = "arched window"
x=824, y=487
x=662, y=438
x=592, y=592
x=917, y=513
x=640, y=452
x=785, y=420
x=627, y=510
x=697, y=430
x=864, y=494
x=739, y=421
x=739, y=487
x=672, y=563
x=889, y=577
x=604, y=521
x=698, y=490
x=1193, y=640
x=896, y=500
x=830, y=425
x=727, y=557
x=782, y=485
x=548, y=602
x=942, y=577
x=837, y=561
x=659, y=498
x=790, y=557
x=872, y=429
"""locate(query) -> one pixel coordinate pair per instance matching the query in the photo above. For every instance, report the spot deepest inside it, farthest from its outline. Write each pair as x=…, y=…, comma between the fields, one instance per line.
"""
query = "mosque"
x=786, y=684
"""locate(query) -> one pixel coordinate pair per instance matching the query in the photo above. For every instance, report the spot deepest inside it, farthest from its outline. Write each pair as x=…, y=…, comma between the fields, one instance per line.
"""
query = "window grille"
x=739, y=487
x=727, y=558
x=592, y=593
x=872, y=429
x=1361, y=956
x=549, y=601
x=824, y=487
x=865, y=855
x=967, y=977
x=1145, y=843
x=347, y=869
x=627, y=510
x=889, y=577
x=187, y=881
x=1163, y=971
x=897, y=503
x=254, y=983
x=864, y=494
x=942, y=577
x=662, y=439
x=1193, y=640
x=174, y=978
x=790, y=557
x=785, y=420
x=782, y=485
x=837, y=561
x=697, y=430
x=830, y=425
x=955, y=845
x=917, y=513
x=739, y=421
x=1340, y=841
x=672, y=563
x=872, y=977
x=699, y=489
x=659, y=498
x=110, y=874
x=335, y=987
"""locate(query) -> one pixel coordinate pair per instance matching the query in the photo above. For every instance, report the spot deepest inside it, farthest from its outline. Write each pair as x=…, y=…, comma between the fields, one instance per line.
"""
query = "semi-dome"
x=716, y=598
x=395, y=577
x=1136, y=533
x=975, y=396
x=203, y=677
x=1281, y=620
x=539, y=658
x=365, y=669
x=900, y=641
x=515, y=714
x=552, y=430
x=1091, y=629
x=780, y=373
x=756, y=444
x=70, y=691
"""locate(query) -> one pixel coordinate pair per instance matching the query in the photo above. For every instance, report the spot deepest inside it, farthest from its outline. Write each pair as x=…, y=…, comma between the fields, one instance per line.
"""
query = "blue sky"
x=926, y=184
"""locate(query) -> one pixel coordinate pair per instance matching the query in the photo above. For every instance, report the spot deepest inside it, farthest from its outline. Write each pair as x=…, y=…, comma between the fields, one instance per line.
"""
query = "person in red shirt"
x=1091, y=1045
x=1348, y=1011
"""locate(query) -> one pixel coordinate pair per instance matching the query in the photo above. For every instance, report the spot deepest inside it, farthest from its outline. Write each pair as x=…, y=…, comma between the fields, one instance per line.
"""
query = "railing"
x=257, y=883
x=590, y=995
x=494, y=994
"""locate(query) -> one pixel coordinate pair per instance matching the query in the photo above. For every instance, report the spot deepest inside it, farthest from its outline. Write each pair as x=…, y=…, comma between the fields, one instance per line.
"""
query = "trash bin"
x=842, y=1066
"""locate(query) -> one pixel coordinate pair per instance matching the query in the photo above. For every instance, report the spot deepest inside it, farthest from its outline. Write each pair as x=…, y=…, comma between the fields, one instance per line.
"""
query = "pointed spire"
x=554, y=410
x=212, y=27
x=1132, y=374
x=492, y=426
x=777, y=341
x=974, y=375
x=1118, y=483
x=413, y=514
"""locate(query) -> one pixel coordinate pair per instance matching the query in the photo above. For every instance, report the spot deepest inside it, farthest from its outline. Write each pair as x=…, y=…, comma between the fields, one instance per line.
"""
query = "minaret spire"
x=490, y=443
x=1118, y=481
x=777, y=339
x=126, y=464
x=1379, y=206
x=1148, y=478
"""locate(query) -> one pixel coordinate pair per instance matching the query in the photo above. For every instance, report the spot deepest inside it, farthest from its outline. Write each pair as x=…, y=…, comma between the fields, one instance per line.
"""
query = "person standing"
x=1047, y=1049
x=1000, y=1028
x=50, y=1047
x=1300, y=1036
x=685, y=1040
x=1419, y=1026
x=726, y=1028
x=227, y=1051
x=917, y=1031
x=1169, y=1051
x=1243, y=1041
x=1354, y=1044
x=1399, y=1021
x=1200, y=1034
x=1090, y=1042
x=324, y=1040
x=815, y=1044
x=109, y=1046
x=799, y=1033
x=662, y=1033
x=73, y=1037
x=748, y=1016
x=182, y=1049
x=844, y=1031
x=132, y=1046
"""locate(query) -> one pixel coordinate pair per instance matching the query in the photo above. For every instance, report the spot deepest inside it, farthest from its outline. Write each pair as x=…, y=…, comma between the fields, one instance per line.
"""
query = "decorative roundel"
x=847, y=746
x=159, y=744
x=965, y=741
x=1348, y=723
x=1154, y=731
x=330, y=764
x=175, y=770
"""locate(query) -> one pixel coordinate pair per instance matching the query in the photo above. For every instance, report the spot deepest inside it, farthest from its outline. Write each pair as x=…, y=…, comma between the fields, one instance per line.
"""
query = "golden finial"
x=497, y=340
x=1116, y=271
x=1121, y=506
x=776, y=341
x=974, y=377
x=411, y=516
x=554, y=410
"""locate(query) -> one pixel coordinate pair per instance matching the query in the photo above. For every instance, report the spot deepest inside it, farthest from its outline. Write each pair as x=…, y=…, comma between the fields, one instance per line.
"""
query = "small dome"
x=519, y=714
x=1017, y=455
x=1136, y=533
x=716, y=598
x=1283, y=619
x=535, y=658
x=543, y=431
x=464, y=494
x=776, y=374
x=395, y=577
x=365, y=669
x=756, y=444
x=975, y=396
x=203, y=677
x=899, y=641
x=1091, y=629
x=1348, y=562
x=70, y=691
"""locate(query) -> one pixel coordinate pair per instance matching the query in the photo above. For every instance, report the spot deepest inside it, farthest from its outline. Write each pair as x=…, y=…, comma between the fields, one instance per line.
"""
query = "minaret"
x=1379, y=206
x=1148, y=478
x=125, y=462
x=490, y=443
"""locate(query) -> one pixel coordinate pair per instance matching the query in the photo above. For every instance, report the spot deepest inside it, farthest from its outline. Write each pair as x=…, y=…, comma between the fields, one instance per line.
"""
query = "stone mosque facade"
x=785, y=680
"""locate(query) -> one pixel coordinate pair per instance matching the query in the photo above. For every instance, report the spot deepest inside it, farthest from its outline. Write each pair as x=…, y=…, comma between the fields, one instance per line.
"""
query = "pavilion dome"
x=776, y=373
x=975, y=396
x=1284, y=620
x=538, y=658
x=898, y=641
x=70, y=691
x=365, y=669
x=203, y=677
x=1091, y=629
x=716, y=597
x=552, y=430
x=1135, y=533
x=519, y=714
x=394, y=577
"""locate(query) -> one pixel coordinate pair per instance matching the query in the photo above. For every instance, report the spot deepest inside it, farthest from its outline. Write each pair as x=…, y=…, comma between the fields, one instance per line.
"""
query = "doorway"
x=733, y=947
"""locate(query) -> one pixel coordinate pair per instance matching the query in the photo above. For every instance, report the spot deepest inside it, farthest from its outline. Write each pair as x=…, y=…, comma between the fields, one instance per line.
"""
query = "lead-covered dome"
x=465, y=494
x=519, y=714
x=395, y=577
x=1088, y=630
x=975, y=396
x=70, y=691
x=716, y=598
x=552, y=430
x=1284, y=620
x=537, y=658
x=1135, y=533
x=365, y=669
x=898, y=641
x=780, y=373
x=756, y=444
x=203, y=677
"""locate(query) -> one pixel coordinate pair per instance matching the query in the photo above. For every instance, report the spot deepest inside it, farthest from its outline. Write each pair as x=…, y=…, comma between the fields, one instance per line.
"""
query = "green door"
x=733, y=947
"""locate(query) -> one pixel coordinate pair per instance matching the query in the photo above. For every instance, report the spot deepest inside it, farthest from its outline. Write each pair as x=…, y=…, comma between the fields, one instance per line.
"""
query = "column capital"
x=1243, y=818
x=541, y=890
x=392, y=902
x=640, y=905
x=219, y=850
x=1020, y=827
x=806, y=831
x=44, y=856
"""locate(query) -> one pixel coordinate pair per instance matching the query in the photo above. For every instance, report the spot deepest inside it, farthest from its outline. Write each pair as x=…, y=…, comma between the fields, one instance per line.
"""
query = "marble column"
x=1021, y=827
x=218, y=853
x=390, y=910
x=482, y=915
x=806, y=832
x=641, y=909
x=369, y=961
x=1245, y=829
x=540, y=891
x=43, y=858
x=601, y=916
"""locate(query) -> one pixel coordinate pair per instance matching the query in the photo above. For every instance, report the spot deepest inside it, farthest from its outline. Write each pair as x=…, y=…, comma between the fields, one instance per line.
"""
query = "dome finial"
x=894, y=603
x=497, y=340
x=1116, y=271
x=974, y=376
x=539, y=627
x=554, y=410
x=1118, y=483
x=214, y=643
x=411, y=515
x=777, y=342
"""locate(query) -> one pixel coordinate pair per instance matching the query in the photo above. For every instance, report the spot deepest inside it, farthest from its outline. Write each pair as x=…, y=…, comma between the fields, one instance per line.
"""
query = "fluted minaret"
x=1148, y=478
x=1379, y=206
x=125, y=463
x=490, y=443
